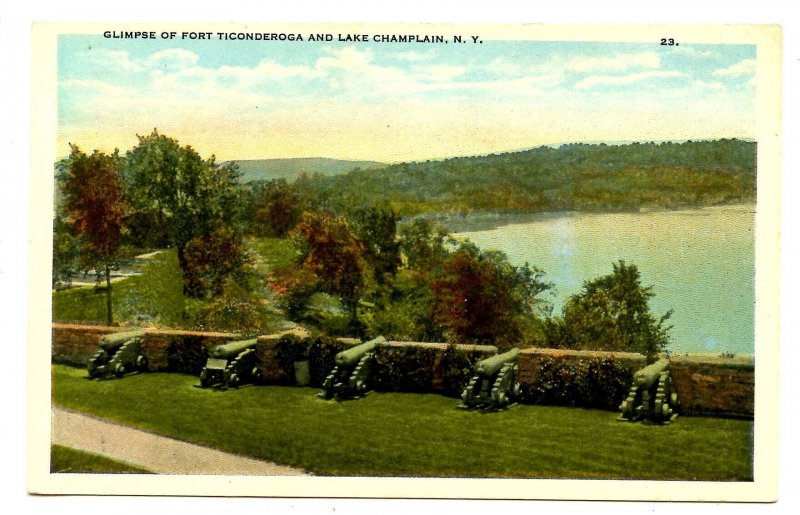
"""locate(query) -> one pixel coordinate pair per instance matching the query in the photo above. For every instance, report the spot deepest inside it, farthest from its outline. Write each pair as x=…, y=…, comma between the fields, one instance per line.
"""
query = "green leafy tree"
x=612, y=313
x=178, y=196
x=376, y=227
x=422, y=243
x=95, y=209
x=482, y=298
x=66, y=253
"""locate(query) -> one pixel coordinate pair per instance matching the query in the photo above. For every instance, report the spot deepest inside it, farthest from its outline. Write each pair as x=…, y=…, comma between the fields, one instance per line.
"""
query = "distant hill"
x=577, y=176
x=290, y=169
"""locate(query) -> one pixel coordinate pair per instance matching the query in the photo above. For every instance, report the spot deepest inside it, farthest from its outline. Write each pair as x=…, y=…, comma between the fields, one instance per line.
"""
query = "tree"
x=95, y=209
x=482, y=298
x=422, y=244
x=176, y=195
x=376, y=227
x=211, y=259
x=277, y=208
x=66, y=253
x=330, y=251
x=612, y=313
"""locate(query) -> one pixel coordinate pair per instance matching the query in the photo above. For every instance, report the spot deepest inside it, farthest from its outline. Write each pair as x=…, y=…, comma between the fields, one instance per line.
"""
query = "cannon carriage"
x=231, y=365
x=350, y=376
x=494, y=383
x=651, y=396
x=118, y=354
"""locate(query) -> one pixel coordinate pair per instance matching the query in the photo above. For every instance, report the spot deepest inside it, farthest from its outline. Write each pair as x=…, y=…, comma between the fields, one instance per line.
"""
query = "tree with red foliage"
x=482, y=298
x=95, y=210
x=330, y=251
x=210, y=259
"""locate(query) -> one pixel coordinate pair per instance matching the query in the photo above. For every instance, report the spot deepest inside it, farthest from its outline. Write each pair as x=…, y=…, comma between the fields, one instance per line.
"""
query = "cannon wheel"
x=119, y=369
x=141, y=363
x=257, y=374
x=234, y=380
x=204, y=378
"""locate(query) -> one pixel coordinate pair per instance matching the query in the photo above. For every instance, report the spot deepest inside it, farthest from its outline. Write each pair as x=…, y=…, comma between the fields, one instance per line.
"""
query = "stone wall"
x=709, y=384
x=74, y=344
x=165, y=349
x=706, y=384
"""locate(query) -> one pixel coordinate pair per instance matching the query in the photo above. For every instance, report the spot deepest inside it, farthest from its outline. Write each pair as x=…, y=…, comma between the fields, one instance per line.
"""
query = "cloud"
x=114, y=60
x=745, y=67
x=502, y=66
x=620, y=62
x=624, y=80
x=172, y=58
x=413, y=56
x=693, y=52
x=348, y=58
x=441, y=73
x=701, y=85
x=92, y=87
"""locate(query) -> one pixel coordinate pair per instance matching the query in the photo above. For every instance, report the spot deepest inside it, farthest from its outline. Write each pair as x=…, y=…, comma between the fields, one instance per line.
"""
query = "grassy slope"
x=66, y=459
x=413, y=435
x=157, y=293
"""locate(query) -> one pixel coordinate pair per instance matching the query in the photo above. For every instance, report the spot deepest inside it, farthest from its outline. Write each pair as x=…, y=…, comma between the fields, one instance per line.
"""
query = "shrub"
x=590, y=383
x=187, y=355
x=457, y=366
x=322, y=356
x=235, y=309
x=404, y=368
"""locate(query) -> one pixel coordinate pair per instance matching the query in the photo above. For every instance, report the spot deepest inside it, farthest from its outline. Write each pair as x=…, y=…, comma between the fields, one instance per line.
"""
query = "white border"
x=14, y=33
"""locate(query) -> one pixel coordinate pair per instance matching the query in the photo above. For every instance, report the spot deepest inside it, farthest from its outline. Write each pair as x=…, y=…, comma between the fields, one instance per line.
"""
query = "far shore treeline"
x=342, y=252
x=571, y=177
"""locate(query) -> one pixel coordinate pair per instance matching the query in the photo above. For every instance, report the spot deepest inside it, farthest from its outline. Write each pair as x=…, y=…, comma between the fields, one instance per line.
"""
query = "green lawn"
x=413, y=435
x=157, y=294
x=66, y=459
x=273, y=252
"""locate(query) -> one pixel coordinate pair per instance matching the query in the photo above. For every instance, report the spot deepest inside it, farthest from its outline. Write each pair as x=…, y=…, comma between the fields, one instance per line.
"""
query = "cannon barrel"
x=490, y=366
x=113, y=341
x=647, y=376
x=232, y=349
x=352, y=356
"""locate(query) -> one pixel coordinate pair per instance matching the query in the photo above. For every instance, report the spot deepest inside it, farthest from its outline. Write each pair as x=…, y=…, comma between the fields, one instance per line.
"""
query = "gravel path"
x=155, y=453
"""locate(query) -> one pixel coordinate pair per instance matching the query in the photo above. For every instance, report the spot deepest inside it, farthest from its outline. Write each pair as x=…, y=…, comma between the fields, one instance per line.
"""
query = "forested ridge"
x=571, y=177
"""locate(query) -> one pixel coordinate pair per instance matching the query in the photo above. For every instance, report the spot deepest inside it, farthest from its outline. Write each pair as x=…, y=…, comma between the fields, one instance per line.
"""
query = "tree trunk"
x=109, y=317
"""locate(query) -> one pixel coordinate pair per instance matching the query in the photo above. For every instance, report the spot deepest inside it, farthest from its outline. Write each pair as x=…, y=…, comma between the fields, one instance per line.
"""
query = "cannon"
x=651, y=396
x=494, y=383
x=231, y=364
x=119, y=353
x=350, y=376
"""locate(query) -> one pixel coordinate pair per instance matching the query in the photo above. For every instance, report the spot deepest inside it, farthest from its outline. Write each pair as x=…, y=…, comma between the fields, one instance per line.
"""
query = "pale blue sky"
x=395, y=101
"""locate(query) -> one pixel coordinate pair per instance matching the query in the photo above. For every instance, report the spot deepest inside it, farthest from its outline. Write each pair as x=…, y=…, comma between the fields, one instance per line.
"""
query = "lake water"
x=700, y=262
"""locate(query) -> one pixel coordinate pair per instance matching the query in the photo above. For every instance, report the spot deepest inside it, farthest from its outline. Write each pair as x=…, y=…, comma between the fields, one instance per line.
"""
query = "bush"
x=322, y=356
x=235, y=309
x=187, y=355
x=404, y=368
x=589, y=383
x=457, y=366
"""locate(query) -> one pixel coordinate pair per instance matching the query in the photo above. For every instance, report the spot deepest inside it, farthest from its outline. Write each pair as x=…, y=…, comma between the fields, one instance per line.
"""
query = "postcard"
x=405, y=261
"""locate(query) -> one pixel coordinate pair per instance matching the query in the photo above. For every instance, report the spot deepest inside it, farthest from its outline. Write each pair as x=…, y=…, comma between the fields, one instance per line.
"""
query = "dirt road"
x=155, y=453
